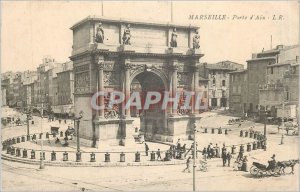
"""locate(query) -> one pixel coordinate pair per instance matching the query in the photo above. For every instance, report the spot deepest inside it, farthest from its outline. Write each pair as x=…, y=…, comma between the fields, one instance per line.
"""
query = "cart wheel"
x=277, y=171
x=254, y=170
x=260, y=174
x=288, y=170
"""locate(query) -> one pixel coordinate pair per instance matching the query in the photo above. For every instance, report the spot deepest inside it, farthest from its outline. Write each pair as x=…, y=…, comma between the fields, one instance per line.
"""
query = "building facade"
x=280, y=93
x=238, y=92
x=218, y=84
x=272, y=80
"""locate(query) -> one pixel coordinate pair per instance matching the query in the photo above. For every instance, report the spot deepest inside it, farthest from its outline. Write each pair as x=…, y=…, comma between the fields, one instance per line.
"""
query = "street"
x=169, y=177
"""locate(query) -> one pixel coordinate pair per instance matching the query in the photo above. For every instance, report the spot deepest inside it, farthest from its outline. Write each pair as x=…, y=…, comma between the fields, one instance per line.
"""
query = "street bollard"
x=59, y=121
x=251, y=134
x=254, y=146
x=65, y=121
x=47, y=135
x=212, y=131
x=42, y=155
x=246, y=133
x=28, y=138
x=233, y=150
x=93, y=157
x=14, y=140
x=258, y=145
x=107, y=157
x=122, y=157
x=23, y=139
x=255, y=136
x=244, y=166
x=18, y=152
x=34, y=137
x=4, y=146
x=168, y=156
x=78, y=156
x=219, y=131
x=249, y=147
x=65, y=156
x=24, y=153
x=40, y=136
x=18, y=140
x=152, y=156
x=32, y=154
x=61, y=134
x=32, y=122
x=241, y=133
x=8, y=149
x=12, y=150
x=242, y=149
x=226, y=132
x=137, y=157
x=205, y=130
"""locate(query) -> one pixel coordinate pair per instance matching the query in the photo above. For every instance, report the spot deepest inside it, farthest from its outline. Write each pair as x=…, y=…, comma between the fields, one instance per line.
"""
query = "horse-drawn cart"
x=261, y=170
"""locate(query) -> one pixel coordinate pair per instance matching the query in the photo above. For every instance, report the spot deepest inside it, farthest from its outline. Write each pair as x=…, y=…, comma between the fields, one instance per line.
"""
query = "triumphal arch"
x=130, y=56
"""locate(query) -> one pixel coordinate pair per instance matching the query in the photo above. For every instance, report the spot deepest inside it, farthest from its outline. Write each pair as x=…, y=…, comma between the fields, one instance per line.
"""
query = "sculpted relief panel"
x=111, y=78
x=82, y=82
x=184, y=78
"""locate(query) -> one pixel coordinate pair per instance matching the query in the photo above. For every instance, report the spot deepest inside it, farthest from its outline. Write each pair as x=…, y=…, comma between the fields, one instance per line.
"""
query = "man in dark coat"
x=224, y=156
x=146, y=149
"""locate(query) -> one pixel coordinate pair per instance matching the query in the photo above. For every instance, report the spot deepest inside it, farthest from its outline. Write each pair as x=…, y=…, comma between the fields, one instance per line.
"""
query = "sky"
x=31, y=30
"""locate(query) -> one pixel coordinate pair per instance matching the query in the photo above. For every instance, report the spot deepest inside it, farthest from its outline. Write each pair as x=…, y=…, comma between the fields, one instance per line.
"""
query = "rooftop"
x=225, y=65
x=131, y=21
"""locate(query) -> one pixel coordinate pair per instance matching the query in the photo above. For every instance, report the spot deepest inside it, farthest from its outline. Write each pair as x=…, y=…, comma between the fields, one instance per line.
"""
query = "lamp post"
x=42, y=166
x=282, y=123
x=76, y=123
x=27, y=120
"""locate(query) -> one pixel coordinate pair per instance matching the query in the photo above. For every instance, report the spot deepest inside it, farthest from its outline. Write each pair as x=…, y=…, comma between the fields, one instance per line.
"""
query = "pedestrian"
x=240, y=156
x=217, y=151
x=229, y=156
x=183, y=148
x=204, y=153
x=188, y=161
x=178, y=145
x=208, y=152
x=158, y=154
x=224, y=158
x=212, y=152
x=146, y=149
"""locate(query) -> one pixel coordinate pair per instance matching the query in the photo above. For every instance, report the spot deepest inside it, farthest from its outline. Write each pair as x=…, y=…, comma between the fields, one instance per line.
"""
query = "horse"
x=290, y=163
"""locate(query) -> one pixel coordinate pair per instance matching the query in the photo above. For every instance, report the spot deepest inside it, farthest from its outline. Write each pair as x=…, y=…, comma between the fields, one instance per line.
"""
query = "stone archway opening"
x=152, y=120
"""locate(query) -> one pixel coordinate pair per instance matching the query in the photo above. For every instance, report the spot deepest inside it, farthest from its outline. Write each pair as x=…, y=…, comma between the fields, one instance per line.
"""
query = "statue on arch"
x=173, y=42
x=126, y=35
x=99, y=34
x=196, y=40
